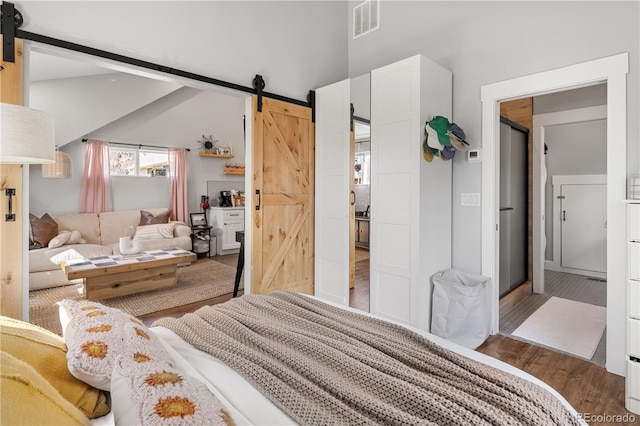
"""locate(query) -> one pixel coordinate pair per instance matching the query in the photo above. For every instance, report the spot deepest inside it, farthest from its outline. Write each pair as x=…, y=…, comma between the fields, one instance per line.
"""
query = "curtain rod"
x=139, y=145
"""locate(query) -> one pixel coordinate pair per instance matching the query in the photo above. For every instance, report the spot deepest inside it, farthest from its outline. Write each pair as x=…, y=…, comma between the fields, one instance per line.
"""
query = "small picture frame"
x=225, y=150
x=198, y=219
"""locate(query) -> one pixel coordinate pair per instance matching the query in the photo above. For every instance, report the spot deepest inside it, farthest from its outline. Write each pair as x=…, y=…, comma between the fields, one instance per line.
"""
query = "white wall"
x=295, y=45
x=486, y=42
x=176, y=120
x=82, y=104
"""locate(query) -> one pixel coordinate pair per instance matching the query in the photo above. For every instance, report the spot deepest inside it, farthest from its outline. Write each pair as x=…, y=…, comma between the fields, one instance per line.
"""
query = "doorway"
x=611, y=70
x=514, y=205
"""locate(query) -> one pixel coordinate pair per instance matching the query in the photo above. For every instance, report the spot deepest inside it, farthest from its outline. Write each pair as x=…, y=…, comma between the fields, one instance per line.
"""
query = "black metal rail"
x=10, y=28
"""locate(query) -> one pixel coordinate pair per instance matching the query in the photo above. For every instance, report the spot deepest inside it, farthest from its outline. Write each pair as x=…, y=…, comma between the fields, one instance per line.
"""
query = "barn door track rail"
x=12, y=20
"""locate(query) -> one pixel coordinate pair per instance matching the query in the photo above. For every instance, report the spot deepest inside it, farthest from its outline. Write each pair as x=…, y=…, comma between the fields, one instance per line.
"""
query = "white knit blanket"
x=324, y=365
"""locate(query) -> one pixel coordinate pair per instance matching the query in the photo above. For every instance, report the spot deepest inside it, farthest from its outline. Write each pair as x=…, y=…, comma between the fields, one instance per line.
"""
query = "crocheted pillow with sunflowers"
x=157, y=393
x=96, y=335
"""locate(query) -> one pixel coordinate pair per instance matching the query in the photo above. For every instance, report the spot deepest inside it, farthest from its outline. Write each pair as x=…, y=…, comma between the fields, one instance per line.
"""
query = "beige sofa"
x=102, y=234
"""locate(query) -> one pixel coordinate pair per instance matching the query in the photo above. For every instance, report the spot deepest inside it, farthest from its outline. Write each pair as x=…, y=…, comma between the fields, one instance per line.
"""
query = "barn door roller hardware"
x=11, y=20
x=352, y=111
x=311, y=99
x=259, y=85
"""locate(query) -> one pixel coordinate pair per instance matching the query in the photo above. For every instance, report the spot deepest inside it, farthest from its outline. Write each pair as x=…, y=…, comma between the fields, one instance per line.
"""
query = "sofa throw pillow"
x=96, y=335
x=152, y=232
x=43, y=229
x=60, y=239
x=147, y=218
x=76, y=238
x=46, y=353
x=66, y=237
x=29, y=399
x=158, y=393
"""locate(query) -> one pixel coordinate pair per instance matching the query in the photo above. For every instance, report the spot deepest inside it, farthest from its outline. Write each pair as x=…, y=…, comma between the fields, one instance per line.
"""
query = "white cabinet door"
x=410, y=227
x=334, y=164
x=229, y=238
x=583, y=221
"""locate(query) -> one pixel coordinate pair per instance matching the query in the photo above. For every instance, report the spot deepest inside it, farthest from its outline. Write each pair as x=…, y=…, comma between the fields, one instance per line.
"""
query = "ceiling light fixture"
x=61, y=169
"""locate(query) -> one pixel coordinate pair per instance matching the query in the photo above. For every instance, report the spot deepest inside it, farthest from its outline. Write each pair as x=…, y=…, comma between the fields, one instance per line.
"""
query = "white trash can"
x=461, y=307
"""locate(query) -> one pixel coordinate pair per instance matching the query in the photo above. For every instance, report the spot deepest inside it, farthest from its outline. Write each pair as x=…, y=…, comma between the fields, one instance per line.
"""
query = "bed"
x=288, y=358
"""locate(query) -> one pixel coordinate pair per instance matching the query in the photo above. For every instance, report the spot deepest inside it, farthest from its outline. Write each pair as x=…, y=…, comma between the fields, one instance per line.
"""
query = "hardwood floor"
x=359, y=294
x=589, y=388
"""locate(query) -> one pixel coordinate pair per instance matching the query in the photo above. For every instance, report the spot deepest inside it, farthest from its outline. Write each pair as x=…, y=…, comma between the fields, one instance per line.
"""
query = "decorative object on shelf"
x=234, y=169
x=634, y=187
x=237, y=198
x=210, y=148
x=204, y=202
x=198, y=219
x=61, y=169
x=207, y=144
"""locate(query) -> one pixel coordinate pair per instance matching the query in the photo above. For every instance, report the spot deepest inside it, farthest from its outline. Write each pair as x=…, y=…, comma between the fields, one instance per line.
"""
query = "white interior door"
x=583, y=221
x=333, y=168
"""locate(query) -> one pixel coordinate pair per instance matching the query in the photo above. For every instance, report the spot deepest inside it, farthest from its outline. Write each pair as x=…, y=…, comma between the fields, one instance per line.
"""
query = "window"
x=138, y=162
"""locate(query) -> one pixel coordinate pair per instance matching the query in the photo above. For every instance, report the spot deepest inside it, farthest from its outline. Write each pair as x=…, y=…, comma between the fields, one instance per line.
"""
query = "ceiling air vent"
x=366, y=18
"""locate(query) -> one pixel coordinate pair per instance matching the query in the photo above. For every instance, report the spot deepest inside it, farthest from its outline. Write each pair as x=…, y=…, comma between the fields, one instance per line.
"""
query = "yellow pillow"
x=28, y=399
x=46, y=353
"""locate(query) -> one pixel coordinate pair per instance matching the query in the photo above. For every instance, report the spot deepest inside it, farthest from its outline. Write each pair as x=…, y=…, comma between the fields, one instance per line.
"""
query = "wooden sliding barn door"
x=282, y=214
x=11, y=240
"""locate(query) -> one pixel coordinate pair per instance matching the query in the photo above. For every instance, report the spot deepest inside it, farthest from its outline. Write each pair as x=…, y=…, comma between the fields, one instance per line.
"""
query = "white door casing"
x=333, y=167
x=612, y=70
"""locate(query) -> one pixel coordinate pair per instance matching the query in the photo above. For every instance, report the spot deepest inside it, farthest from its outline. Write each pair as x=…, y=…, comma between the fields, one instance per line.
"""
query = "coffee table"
x=119, y=275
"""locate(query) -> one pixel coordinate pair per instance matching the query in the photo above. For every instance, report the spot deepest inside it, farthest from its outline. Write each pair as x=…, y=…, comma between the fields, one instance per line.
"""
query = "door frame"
x=540, y=122
x=613, y=71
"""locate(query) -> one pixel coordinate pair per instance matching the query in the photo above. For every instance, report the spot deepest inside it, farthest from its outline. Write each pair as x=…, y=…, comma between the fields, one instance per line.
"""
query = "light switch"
x=470, y=199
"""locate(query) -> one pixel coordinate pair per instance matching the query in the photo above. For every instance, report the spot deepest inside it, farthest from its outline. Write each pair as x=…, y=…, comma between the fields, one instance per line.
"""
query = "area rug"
x=199, y=281
x=566, y=325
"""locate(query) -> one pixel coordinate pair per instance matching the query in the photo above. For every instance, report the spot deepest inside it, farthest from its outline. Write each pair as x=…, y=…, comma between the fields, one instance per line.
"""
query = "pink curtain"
x=95, y=196
x=178, y=184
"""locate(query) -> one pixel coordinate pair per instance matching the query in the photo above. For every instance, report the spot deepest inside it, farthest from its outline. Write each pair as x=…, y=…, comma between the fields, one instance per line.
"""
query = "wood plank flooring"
x=585, y=385
x=588, y=387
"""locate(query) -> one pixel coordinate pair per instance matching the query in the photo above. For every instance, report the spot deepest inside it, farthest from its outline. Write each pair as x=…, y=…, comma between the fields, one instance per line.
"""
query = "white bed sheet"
x=251, y=407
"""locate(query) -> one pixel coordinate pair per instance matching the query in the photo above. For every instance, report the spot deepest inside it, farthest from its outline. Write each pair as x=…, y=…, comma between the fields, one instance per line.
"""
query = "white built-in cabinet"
x=226, y=221
x=633, y=307
x=410, y=220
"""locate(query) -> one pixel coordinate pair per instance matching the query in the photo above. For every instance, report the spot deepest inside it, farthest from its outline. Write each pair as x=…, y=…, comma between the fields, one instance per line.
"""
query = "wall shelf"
x=213, y=154
x=233, y=172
